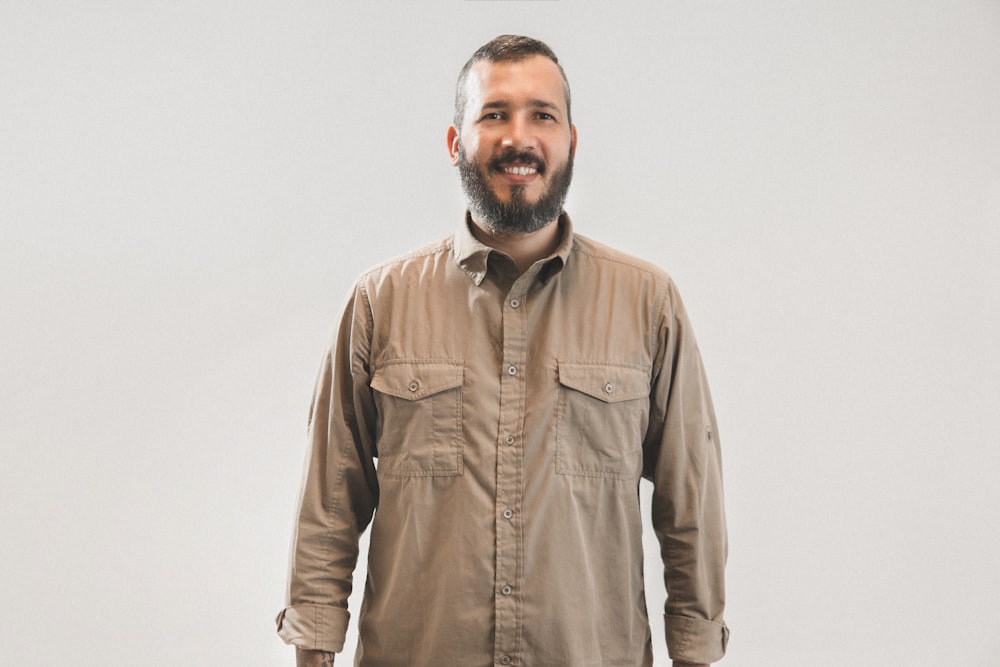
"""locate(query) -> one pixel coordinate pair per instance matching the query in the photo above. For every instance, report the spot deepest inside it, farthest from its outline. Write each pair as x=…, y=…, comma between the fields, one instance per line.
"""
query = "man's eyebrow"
x=538, y=104
x=542, y=104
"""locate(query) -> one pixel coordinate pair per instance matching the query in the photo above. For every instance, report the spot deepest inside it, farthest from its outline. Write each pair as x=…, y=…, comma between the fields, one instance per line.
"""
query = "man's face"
x=515, y=149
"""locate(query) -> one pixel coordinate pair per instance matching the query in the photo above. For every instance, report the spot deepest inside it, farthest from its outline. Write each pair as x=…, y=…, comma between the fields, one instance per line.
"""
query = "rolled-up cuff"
x=695, y=640
x=315, y=627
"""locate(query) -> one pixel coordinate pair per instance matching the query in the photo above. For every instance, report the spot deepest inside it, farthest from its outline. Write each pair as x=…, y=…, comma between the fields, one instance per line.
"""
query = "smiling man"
x=521, y=143
x=488, y=405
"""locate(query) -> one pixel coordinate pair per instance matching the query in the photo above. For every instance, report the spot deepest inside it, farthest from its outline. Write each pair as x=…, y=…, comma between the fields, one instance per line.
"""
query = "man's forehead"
x=536, y=77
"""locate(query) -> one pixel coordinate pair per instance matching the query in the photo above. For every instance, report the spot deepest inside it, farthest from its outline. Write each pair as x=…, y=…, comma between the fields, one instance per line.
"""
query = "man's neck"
x=524, y=249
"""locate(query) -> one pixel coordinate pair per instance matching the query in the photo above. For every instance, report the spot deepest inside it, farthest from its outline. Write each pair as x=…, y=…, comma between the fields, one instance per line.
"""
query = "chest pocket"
x=419, y=427
x=602, y=419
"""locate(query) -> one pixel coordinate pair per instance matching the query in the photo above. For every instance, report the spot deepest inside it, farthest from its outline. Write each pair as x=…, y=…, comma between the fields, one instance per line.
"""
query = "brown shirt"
x=511, y=418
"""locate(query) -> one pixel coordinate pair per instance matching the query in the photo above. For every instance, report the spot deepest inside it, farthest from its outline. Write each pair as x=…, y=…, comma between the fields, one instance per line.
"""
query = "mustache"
x=521, y=157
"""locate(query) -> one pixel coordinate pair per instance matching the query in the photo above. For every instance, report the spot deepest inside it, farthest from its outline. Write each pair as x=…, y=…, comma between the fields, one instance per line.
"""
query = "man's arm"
x=307, y=658
x=681, y=456
x=339, y=490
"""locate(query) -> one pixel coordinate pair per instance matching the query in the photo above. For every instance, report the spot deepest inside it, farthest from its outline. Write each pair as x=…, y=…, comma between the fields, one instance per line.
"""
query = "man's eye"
x=546, y=116
x=493, y=116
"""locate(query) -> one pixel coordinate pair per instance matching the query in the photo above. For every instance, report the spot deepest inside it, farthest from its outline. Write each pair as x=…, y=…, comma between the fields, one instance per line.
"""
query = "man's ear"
x=453, y=141
x=572, y=132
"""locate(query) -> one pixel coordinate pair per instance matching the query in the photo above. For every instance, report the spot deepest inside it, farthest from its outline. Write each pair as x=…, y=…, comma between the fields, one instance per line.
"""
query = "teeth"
x=520, y=171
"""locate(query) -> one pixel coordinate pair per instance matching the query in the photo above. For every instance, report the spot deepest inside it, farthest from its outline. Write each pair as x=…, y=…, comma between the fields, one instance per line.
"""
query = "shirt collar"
x=472, y=255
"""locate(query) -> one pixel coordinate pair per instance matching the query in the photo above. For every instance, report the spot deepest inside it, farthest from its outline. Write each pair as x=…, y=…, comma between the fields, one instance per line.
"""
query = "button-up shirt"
x=493, y=427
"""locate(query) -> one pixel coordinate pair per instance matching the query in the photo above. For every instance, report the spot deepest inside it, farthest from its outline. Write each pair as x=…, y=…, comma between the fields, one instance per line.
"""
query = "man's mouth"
x=520, y=170
x=517, y=165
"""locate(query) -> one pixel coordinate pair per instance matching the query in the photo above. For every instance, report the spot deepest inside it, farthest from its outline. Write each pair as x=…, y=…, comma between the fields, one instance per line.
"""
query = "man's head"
x=505, y=48
x=512, y=139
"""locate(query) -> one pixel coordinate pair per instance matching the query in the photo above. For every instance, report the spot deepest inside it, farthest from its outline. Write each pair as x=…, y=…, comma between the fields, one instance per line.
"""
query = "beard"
x=516, y=216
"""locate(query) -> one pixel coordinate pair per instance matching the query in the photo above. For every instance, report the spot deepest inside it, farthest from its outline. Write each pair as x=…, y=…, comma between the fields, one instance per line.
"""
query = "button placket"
x=508, y=471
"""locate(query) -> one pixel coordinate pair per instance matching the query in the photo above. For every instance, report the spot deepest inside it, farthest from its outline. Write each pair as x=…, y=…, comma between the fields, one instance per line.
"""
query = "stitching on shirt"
x=433, y=399
x=659, y=306
x=686, y=638
x=426, y=472
x=592, y=389
x=458, y=445
x=433, y=248
x=453, y=466
x=428, y=391
x=591, y=248
x=369, y=312
x=605, y=364
x=562, y=464
x=519, y=526
x=419, y=360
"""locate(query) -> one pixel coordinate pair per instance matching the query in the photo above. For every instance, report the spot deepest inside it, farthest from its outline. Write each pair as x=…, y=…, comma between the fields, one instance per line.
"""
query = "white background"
x=188, y=188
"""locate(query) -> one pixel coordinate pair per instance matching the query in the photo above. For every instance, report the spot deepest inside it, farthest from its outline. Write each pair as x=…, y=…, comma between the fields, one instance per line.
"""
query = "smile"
x=520, y=171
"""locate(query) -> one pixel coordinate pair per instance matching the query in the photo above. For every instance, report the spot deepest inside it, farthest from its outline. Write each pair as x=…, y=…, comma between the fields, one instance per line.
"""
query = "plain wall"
x=188, y=189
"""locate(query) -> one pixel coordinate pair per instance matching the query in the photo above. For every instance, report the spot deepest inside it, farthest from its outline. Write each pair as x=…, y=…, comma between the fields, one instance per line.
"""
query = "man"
x=513, y=382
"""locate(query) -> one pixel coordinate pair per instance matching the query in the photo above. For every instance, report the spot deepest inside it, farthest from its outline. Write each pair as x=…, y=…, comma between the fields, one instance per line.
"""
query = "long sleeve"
x=339, y=489
x=682, y=458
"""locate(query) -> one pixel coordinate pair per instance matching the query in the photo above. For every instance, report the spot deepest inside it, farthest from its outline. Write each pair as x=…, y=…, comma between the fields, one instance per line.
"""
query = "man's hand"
x=688, y=664
x=307, y=658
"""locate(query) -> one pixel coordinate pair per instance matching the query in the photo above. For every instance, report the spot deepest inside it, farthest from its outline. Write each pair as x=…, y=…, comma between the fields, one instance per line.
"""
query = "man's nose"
x=518, y=135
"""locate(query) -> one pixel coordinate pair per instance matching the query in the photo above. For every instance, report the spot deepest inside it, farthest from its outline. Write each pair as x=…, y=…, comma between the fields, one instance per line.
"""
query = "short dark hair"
x=505, y=48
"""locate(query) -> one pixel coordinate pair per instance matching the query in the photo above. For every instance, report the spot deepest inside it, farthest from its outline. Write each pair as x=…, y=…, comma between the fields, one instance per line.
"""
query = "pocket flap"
x=413, y=380
x=605, y=382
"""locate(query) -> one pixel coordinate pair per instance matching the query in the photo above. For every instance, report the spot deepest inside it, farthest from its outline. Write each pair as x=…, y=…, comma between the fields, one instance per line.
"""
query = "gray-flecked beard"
x=516, y=216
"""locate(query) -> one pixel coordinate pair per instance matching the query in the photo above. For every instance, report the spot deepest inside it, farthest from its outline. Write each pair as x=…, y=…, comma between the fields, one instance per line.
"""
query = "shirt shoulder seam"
x=438, y=247
x=600, y=251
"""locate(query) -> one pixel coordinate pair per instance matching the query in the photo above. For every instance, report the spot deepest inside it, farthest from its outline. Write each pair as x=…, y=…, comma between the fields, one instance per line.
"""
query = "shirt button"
x=414, y=385
x=509, y=440
x=508, y=514
x=505, y=660
x=609, y=388
x=512, y=370
x=506, y=590
x=514, y=303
